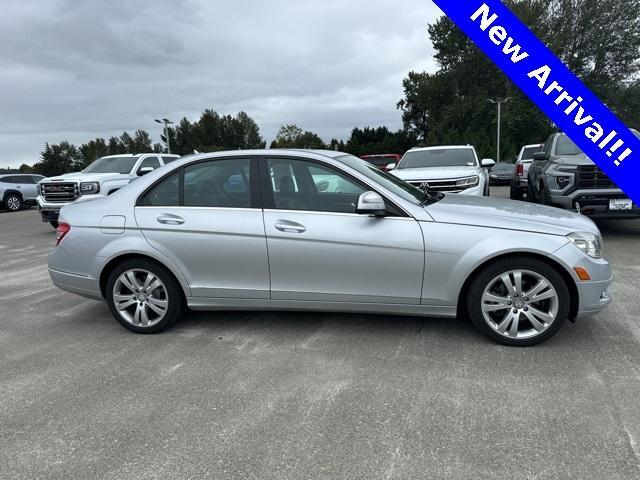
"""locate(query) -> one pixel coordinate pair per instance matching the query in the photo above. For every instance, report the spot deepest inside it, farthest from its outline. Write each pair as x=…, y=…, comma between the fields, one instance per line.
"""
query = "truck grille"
x=590, y=176
x=447, y=185
x=59, y=192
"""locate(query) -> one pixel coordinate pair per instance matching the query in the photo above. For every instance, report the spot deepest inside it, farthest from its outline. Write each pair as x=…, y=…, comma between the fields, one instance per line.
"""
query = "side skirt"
x=198, y=303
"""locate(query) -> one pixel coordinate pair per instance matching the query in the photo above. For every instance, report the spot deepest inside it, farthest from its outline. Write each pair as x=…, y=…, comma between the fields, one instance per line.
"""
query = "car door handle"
x=169, y=219
x=290, y=227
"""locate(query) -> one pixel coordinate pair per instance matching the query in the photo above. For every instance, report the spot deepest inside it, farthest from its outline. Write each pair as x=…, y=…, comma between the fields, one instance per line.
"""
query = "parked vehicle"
x=563, y=176
x=102, y=177
x=453, y=169
x=18, y=190
x=250, y=230
x=382, y=160
x=519, y=181
x=501, y=173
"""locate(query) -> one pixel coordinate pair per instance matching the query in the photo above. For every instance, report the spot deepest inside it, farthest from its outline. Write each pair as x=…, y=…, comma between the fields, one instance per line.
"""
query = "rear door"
x=207, y=218
x=320, y=249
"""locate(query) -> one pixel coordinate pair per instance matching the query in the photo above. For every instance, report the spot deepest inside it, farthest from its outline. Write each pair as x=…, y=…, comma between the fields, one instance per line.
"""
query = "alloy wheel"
x=13, y=203
x=520, y=304
x=140, y=297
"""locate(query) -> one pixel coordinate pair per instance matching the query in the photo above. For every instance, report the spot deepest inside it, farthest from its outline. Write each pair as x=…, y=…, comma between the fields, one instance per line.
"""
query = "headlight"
x=587, y=242
x=468, y=182
x=89, y=187
x=39, y=188
x=558, y=167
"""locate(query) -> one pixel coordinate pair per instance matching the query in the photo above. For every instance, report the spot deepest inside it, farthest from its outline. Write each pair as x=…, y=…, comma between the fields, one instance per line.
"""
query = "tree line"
x=449, y=106
x=214, y=132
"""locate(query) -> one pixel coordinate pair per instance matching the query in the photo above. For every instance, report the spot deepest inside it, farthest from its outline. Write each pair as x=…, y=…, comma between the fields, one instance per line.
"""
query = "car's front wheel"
x=13, y=202
x=143, y=296
x=519, y=301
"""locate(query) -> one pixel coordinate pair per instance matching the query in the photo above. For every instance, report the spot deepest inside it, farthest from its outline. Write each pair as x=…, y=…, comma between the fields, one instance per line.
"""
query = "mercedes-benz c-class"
x=323, y=230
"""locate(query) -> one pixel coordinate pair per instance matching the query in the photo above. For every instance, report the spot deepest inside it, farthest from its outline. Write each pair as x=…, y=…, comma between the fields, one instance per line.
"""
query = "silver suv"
x=103, y=177
x=563, y=176
x=323, y=230
x=452, y=169
x=18, y=190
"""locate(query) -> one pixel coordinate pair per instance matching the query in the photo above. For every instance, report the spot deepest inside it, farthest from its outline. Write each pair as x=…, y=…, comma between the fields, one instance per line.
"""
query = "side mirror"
x=144, y=170
x=487, y=163
x=371, y=203
x=391, y=166
x=540, y=156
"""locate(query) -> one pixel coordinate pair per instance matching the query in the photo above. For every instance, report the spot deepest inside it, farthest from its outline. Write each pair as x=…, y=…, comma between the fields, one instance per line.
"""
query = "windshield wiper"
x=431, y=198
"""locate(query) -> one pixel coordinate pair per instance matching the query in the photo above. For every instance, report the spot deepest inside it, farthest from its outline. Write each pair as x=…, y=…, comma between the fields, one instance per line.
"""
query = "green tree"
x=450, y=105
x=292, y=136
x=24, y=168
x=57, y=159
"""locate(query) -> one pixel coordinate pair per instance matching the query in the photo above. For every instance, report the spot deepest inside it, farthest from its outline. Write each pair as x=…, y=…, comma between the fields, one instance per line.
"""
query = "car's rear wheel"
x=13, y=202
x=143, y=296
x=519, y=301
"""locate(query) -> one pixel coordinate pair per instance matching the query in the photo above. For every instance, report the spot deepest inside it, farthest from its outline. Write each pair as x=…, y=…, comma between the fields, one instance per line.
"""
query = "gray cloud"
x=74, y=69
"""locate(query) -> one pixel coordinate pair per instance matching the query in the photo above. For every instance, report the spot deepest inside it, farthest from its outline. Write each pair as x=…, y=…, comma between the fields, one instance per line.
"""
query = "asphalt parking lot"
x=299, y=395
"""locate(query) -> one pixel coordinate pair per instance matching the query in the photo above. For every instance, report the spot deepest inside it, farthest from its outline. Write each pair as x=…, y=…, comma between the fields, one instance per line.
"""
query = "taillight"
x=61, y=231
x=520, y=170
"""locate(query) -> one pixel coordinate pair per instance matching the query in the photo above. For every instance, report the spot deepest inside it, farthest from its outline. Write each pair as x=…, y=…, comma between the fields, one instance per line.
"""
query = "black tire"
x=54, y=224
x=174, y=295
x=515, y=193
x=487, y=275
x=531, y=194
x=13, y=202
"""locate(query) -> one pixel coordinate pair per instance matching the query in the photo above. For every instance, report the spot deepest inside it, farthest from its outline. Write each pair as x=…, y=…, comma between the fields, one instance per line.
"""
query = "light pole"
x=499, y=101
x=166, y=124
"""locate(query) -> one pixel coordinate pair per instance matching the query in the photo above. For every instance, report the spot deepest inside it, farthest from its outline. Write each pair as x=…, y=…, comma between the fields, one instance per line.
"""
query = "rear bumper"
x=74, y=283
x=75, y=273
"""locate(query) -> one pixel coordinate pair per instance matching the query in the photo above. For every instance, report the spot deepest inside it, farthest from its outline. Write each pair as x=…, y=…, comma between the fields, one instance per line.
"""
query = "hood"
x=85, y=177
x=435, y=173
x=581, y=159
x=509, y=214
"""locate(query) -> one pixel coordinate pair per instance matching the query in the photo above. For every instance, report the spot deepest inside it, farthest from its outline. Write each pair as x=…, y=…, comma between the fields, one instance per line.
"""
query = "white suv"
x=451, y=169
x=101, y=178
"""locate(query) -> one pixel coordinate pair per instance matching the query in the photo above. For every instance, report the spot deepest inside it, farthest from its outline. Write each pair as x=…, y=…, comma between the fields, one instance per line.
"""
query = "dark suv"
x=561, y=175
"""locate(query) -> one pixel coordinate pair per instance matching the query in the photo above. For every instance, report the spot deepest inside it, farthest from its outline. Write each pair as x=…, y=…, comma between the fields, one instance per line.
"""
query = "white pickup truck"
x=101, y=178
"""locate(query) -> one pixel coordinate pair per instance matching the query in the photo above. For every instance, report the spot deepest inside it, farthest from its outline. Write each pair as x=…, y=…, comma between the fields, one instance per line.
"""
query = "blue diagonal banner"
x=552, y=86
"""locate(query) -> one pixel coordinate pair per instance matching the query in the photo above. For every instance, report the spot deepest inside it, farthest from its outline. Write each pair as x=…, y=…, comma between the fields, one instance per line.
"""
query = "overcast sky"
x=78, y=69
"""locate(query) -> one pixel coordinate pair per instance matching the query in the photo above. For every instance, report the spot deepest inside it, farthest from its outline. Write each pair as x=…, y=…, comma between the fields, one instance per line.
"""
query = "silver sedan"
x=321, y=230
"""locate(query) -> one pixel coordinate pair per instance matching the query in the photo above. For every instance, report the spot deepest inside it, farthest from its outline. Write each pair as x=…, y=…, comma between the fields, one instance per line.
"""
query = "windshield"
x=565, y=146
x=394, y=184
x=438, y=157
x=528, y=152
x=112, y=165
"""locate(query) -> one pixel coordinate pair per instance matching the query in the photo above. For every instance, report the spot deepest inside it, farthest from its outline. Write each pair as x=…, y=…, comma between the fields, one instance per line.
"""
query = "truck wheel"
x=531, y=195
x=13, y=202
x=516, y=193
x=54, y=224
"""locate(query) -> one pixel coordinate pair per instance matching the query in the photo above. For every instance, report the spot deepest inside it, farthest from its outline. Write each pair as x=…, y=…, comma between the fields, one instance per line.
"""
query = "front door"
x=320, y=249
x=205, y=218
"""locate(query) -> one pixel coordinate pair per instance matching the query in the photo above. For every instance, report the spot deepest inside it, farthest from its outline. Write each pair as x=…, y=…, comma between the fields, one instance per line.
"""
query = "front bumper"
x=49, y=212
x=594, y=203
x=593, y=295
